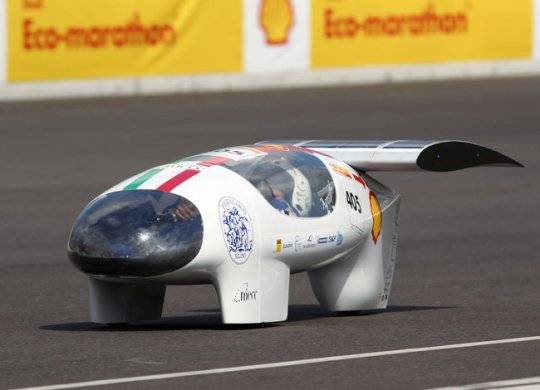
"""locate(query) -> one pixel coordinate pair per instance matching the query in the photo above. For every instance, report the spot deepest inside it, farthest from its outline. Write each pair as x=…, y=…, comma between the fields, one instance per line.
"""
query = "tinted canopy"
x=138, y=233
x=295, y=183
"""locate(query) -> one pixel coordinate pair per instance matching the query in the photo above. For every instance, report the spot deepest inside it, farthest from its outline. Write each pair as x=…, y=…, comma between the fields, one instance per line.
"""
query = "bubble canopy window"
x=136, y=233
x=294, y=183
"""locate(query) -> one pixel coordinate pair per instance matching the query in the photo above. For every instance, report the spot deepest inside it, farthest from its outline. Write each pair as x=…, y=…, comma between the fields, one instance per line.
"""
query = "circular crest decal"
x=237, y=229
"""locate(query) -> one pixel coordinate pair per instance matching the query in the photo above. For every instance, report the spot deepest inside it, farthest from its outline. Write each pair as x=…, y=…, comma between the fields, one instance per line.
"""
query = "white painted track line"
x=289, y=363
x=514, y=384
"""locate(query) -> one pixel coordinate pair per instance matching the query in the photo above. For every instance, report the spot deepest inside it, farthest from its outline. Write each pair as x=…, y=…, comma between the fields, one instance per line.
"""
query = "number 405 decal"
x=353, y=201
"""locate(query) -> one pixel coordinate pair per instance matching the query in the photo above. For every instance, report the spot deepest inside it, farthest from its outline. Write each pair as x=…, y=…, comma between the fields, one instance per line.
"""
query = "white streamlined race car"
x=244, y=218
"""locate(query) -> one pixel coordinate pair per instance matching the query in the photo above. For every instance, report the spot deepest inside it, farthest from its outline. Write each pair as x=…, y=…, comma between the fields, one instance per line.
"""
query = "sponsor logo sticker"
x=279, y=245
x=345, y=171
x=333, y=239
x=359, y=180
x=341, y=170
x=245, y=294
x=339, y=239
x=308, y=242
x=297, y=244
x=283, y=245
x=377, y=216
x=237, y=229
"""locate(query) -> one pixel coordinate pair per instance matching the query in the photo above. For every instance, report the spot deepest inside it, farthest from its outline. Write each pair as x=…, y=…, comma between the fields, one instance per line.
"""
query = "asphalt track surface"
x=468, y=259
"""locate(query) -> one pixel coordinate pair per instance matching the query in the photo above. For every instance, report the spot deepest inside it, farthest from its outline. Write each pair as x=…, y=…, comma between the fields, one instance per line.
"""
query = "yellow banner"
x=354, y=32
x=70, y=39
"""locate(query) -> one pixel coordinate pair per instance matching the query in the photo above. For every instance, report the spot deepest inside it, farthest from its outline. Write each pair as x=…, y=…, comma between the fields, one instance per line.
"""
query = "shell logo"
x=277, y=18
x=377, y=216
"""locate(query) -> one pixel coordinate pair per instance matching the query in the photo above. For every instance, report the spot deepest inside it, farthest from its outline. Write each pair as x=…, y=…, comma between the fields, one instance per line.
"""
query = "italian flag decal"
x=177, y=179
x=143, y=178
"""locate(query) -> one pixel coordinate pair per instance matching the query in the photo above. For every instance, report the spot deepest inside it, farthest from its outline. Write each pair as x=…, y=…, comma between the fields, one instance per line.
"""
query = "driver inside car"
x=275, y=196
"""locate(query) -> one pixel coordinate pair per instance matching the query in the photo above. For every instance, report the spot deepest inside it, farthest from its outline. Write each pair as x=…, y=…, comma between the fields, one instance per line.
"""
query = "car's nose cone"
x=136, y=233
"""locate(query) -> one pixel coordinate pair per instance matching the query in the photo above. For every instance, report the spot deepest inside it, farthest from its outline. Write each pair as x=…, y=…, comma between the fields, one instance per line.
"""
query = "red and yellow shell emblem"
x=277, y=17
x=377, y=216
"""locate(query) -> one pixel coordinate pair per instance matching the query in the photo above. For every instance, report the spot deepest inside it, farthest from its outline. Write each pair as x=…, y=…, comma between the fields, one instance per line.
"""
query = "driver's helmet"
x=285, y=186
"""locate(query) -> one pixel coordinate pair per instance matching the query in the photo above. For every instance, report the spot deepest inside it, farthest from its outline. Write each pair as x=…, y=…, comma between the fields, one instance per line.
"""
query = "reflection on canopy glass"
x=142, y=232
x=295, y=183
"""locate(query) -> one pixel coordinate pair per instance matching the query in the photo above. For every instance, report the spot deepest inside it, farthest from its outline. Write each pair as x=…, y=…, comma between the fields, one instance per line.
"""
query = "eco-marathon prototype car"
x=245, y=218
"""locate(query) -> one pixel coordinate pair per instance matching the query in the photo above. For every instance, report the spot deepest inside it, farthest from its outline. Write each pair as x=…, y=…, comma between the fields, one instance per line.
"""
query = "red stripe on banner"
x=177, y=180
x=359, y=179
x=214, y=161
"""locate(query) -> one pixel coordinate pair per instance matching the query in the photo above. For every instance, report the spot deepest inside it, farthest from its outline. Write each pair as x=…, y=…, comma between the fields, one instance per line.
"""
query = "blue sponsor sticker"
x=336, y=239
